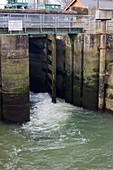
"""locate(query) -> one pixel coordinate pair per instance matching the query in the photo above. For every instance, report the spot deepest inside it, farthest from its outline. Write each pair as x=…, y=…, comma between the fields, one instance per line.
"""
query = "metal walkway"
x=37, y=23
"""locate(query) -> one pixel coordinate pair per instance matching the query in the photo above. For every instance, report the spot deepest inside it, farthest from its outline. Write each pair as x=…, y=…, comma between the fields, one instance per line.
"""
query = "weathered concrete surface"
x=101, y=98
x=109, y=73
x=15, y=78
x=91, y=71
x=68, y=69
x=60, y=60
x=0, y=90
x=77, y=70
x=81, y=70
x=78, y=64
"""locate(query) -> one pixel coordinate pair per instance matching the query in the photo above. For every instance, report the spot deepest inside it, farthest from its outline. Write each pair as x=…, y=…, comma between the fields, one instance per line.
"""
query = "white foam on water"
x=50, y=121
x=45, y=114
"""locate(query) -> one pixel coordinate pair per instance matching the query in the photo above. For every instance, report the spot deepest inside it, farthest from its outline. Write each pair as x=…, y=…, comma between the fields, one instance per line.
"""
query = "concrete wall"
x=14, y=57
x=73, y=80
x=78, y=69
x=68, y=68
x=0, y=89
x=91, y=71
x=60, y=49
x=109, y=73
x=81, y=68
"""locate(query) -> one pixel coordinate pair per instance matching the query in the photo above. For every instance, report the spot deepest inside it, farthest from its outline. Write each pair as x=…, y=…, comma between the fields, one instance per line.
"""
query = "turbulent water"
x=58, y=137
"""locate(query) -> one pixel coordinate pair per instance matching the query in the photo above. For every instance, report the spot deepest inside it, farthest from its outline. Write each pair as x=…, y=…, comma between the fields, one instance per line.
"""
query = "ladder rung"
x=50, y=37
x=50, y=47
x=50, y=67
x=49, y=76
x=50, y=58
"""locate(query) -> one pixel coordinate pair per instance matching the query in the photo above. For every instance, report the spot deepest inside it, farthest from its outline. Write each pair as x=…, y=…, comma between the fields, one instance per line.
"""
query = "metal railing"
x=44, y=21
x=51, y=21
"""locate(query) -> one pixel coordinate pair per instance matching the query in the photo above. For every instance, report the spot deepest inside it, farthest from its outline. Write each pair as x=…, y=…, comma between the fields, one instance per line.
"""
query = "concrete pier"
x=68, y=68
x=78, y=69
x=109, y=73
x=60, y=66
x=0, y=90
x=81, y=70
x=74, y=48
x=91, y=71
x=14, y=78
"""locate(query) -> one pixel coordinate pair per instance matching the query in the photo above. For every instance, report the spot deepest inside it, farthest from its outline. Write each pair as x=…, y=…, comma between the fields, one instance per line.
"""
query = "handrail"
x=42, y=21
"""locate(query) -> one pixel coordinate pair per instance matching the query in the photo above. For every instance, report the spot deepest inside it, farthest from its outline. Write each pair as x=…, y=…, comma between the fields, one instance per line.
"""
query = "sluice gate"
x=76, y=66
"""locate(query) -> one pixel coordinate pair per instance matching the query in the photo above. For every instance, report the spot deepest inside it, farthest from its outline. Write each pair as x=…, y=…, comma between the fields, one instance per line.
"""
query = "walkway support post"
x=101, y=101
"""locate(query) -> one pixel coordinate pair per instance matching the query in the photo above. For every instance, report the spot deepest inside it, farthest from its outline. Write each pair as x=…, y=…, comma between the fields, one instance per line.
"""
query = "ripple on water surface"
x=58, y=137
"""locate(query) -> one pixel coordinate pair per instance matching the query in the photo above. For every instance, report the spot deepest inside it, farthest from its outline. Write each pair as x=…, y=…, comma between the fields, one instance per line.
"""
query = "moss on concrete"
x=15, y=77
x=91, y=71
x=77, y=70
x=68, y=69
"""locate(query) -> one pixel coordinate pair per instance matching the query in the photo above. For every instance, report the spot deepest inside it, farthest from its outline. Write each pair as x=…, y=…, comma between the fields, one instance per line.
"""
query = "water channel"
x=58, y=137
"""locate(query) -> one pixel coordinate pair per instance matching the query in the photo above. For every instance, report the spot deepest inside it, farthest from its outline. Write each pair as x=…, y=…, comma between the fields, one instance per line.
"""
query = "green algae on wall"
x=15, y=78
x=73, y=68
x=60, y=59
x=77, y=69
x=0, y=90
x=80, y=79
x=81, y=70
x=68, y=69
x=91, y=71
